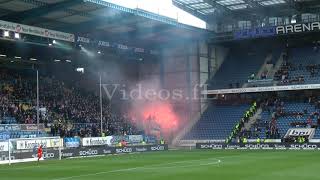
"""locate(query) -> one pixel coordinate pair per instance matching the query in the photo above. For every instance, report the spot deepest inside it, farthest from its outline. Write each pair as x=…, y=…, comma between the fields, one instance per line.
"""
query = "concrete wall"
x=181, y=71
x=217, y=56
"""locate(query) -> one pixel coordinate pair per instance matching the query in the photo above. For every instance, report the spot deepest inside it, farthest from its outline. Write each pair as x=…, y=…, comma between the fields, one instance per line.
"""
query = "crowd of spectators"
x=313, y=69
x=276, y=108
x=284, y=74
x=66, y=109
x=284, y=77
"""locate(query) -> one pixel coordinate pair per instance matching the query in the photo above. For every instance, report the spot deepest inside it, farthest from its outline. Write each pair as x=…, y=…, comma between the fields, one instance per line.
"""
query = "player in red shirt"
x=40, y=152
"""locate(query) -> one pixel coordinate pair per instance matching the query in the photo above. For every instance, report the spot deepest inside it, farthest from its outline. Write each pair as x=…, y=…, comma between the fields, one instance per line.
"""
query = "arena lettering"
x=297, y=28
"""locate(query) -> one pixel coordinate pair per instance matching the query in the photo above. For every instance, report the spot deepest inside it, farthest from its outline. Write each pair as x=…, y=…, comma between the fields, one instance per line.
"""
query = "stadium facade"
x=92, y=73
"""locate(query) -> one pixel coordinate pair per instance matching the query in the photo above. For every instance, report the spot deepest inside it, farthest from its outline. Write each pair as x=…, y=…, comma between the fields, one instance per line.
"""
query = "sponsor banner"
x=31, y=127
x=261, y=82
x=263, y=89
x=97, y=141
x=124, y=150
x=21, y=127
x=113, y=140
x=262, y=146
x=100, y=150
x=10, y=127
x=103, y=43
x=300, y=132
x=158, y=148
x=277, y=30
x=272, y=141
x=49, y=154
x=80, y=152
x=255, y=32
x=106, y=151
x=123, y=47
x=4, y=135
x=85, y=151
x=4, y=146
x=135, y=139
x=88, y=152
x=298, y=28
x=139, y=50
x=100, y=43
x=265, y=141
x=314, y=140
x=141, y=149
x=67, y=153
x=36, y=31
x=117, y=139
x=46, y=143
x=150, y=139
x=83, y=39
x=72, y=142
x=4, y=156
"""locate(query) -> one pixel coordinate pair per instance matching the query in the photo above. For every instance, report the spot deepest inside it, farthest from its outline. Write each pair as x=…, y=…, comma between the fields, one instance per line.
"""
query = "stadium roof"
x=208, y=9
x=96, y=18
x=162, y=7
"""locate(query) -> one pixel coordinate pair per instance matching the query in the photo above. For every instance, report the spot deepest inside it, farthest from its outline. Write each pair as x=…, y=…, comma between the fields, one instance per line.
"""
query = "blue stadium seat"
x=304, y=56
x=239, y=64
x=216, y=122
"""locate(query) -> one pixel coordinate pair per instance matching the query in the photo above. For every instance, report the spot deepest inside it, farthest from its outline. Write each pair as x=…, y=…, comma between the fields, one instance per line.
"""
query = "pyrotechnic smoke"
x=153, y=113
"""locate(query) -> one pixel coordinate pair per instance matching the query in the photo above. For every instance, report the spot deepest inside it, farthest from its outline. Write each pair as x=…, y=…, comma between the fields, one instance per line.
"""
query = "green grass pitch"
x=175, y=165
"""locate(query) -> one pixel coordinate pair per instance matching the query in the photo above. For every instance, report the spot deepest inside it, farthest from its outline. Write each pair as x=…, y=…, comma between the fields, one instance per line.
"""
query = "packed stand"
x=67, y=110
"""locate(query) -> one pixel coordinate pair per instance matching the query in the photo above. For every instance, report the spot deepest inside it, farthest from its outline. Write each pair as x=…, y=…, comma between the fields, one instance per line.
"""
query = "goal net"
x=25, y=149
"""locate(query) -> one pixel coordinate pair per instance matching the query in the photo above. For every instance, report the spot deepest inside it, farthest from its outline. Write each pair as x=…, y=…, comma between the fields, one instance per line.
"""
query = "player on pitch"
x=40, y=152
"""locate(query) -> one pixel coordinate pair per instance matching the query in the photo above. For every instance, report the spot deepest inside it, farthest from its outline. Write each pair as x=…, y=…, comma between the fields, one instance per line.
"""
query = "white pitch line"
x=192, y=165
x=147, y=168
x=32, y=167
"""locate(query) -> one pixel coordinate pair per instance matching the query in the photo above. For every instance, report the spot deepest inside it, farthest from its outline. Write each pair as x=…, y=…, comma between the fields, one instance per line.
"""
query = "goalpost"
x=25, y=149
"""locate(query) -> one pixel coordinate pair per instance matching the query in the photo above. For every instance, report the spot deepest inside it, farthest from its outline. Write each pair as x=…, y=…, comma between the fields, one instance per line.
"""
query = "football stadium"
x=159, y=89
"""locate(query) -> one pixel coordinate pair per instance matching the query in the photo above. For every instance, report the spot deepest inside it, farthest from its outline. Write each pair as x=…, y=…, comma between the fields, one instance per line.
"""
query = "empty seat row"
x=216, y=122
